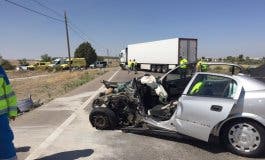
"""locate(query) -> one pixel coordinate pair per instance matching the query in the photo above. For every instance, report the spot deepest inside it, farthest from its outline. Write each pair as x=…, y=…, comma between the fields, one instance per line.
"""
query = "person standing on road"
x=183, y=66
x=202, y=65
x=129, y=66
x=8, y=110
x=134, y=66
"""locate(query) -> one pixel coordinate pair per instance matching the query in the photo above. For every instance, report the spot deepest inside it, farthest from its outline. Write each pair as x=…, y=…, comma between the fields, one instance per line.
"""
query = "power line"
x=77, y=33
x=44, y=6
x=81, y=34
x=72, y=26
x=32, y=10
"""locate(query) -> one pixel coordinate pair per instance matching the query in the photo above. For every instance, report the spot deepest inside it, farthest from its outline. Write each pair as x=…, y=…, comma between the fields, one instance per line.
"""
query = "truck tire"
x=103, y=118
x=159, y=69
x=245, y=138
x=153, y=68
x=164, y=69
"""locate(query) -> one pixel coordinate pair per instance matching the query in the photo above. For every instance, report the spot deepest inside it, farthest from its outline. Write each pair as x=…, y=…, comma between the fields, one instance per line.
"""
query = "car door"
x=174, y=84
x=200, y=111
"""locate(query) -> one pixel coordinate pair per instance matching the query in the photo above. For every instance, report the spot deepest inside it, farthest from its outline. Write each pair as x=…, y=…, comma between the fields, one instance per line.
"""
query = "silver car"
x=230, y=107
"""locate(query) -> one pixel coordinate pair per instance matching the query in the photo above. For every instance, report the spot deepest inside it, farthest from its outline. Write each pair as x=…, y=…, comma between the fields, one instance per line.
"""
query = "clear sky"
x=223, y=27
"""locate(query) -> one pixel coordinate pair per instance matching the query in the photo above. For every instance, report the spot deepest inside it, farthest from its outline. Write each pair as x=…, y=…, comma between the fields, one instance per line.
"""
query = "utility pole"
x=108, y=57
x=67, y=38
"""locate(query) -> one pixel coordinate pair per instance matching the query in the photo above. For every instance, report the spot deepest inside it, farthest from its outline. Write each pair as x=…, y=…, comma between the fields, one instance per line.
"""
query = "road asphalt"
x=61, y=130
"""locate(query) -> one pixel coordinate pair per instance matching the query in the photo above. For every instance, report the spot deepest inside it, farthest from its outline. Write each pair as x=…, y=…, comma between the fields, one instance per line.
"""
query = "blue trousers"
x=7, y=149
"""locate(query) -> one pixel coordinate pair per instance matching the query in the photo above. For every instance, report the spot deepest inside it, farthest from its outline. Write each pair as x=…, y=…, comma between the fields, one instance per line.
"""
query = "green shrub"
x=7, y=65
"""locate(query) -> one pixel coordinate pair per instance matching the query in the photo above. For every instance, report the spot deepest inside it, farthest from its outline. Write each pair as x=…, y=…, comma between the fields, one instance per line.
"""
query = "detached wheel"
x=103, y=118
x=244, y=138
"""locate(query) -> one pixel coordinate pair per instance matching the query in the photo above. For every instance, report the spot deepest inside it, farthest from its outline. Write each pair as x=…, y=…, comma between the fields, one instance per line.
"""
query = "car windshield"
x=223, y=69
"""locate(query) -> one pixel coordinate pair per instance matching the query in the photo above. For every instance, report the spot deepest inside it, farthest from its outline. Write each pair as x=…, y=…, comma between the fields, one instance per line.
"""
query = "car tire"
x=245, y=138
x=103, y=118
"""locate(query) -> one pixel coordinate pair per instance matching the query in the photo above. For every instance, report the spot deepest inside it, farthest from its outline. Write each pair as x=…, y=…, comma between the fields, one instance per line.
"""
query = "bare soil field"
x=22, y=74
x=53, y=85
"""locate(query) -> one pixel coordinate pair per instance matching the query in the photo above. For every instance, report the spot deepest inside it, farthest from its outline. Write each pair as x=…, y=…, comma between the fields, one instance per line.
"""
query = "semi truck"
x=160, y=56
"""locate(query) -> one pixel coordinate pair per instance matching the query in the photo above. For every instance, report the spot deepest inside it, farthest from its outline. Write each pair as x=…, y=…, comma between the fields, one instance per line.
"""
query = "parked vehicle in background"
x=160, y=56
x=22, y=68
x=39, y=65
x=76, y=63
x=57, y=62
x=98, y=64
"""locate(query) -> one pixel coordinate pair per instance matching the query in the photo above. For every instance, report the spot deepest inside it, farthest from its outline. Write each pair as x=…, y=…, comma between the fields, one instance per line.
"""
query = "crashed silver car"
x=201, y=105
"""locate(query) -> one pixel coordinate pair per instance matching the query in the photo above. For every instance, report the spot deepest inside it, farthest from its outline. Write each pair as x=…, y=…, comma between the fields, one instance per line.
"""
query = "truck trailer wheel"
x=103, y=118
x=153, y=68
x=164, y=69
x=158, y=69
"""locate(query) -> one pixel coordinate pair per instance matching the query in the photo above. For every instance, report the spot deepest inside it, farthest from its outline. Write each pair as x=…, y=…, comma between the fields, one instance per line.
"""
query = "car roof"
x=209, y=63
x=223, y=63
x=250, y=83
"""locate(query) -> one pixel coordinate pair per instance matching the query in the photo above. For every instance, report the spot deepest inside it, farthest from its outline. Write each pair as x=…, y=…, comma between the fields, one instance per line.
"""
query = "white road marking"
x=50, y=139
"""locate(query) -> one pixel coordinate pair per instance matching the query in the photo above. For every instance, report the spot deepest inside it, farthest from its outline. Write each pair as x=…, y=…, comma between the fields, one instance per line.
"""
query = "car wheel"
x=244, y=138
x=103, y=118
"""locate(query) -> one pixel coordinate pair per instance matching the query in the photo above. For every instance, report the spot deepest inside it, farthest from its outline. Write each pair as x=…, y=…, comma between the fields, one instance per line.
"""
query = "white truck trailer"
x=160, y=56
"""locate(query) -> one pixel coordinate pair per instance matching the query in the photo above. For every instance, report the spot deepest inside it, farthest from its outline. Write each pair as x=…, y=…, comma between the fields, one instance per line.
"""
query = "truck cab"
x=123, y=59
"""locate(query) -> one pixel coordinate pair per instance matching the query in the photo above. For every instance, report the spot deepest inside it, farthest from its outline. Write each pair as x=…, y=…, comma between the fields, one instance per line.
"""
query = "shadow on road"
x=213, y=147
x=210, y=147
x=69, y=155
x=23, y=149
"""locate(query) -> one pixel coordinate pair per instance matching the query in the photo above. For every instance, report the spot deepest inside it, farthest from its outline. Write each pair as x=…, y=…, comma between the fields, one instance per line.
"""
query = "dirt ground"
x=53, y=85
x=22, y=74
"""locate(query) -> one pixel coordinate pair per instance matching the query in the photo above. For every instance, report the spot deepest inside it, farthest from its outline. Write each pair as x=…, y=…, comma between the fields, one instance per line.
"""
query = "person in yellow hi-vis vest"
x=129, y=66
x=197, y=87
x=183, y=65
x=202, y=66
x=134, y=65
x=8, y=110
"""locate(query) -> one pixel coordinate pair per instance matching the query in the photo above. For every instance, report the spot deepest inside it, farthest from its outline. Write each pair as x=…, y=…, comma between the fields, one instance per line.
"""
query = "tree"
x=241, y=58
x=23, y=62
x=85, y=50
x=6, y=64
x=100, y=58
x=46, y=58
x=230, y=59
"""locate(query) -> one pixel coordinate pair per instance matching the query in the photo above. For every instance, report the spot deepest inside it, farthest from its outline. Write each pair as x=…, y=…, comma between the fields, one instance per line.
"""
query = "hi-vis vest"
x=202, y=66
x=8, y=100
x=183, y=63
